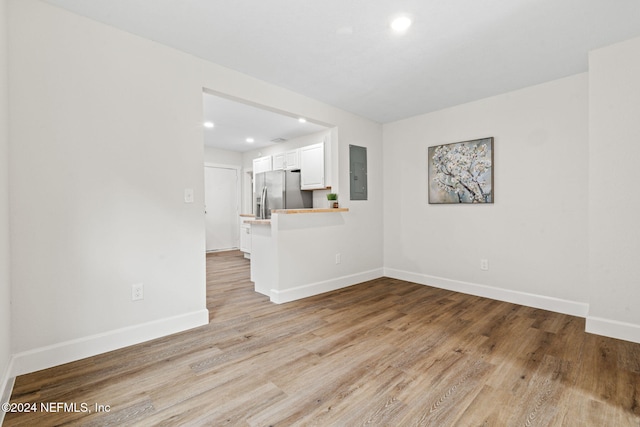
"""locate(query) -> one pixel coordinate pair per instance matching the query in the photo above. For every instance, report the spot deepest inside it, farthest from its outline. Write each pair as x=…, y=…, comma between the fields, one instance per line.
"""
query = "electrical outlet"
x=137, y=291
x=338, y=260
x=484, y=264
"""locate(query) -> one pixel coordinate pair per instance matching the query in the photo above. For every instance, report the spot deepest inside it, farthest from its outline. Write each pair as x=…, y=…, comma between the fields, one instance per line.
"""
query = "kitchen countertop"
x=308, y=211
x=296, y=211
x=258, y=221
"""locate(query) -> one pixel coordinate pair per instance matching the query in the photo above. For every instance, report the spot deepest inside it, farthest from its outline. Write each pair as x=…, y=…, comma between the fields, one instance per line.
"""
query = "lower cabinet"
x=245, y=236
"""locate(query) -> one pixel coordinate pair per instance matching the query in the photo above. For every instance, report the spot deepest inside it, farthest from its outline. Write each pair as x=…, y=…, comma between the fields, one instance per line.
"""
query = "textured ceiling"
x=342, y=52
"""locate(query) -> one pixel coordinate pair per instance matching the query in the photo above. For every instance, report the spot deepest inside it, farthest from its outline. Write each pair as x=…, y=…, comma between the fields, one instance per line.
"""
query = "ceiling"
x=342, y=52
x=234, y=122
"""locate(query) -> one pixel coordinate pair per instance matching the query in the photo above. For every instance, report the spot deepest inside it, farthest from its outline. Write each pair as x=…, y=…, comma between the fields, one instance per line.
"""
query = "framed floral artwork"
x=461, y=172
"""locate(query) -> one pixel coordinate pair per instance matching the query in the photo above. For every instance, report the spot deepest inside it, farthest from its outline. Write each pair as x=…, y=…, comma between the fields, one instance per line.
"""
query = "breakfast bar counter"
x=296, y=211
x=309, y=211
x=287, y=250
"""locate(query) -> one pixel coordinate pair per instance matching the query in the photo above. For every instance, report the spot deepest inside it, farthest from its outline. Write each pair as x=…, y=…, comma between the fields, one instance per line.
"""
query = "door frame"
x=238, y=170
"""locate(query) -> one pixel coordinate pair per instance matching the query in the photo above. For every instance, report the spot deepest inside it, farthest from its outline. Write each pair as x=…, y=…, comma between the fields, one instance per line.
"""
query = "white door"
x=221, y=208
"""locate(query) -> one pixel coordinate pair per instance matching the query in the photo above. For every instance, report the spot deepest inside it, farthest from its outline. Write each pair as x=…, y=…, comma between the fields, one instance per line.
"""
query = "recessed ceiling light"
x=250, y=140
x=302, y=120
x=401, y=24
x=208, y=125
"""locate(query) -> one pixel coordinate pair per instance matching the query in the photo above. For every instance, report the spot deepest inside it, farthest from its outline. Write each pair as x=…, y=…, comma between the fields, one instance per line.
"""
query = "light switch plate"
x=188, y=195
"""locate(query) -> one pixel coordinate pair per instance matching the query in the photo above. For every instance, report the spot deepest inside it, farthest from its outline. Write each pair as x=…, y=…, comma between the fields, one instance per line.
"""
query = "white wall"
x=107, y=133
x=614, y=233
x=5, y=286
x=222, y=157
x=534, y=235
x=105, y=136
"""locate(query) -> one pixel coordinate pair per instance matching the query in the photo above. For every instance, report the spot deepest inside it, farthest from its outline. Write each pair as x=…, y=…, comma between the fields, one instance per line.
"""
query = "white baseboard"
x=292, y=294
x=69, y=351
x=7, y=387
x=613, y=329
x=557, y=305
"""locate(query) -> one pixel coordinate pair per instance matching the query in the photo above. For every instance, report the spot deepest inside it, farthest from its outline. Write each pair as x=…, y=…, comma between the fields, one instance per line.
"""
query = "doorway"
x=222, y=190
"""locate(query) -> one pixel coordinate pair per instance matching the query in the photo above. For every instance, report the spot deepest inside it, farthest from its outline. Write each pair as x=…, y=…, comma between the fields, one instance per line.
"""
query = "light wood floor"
x=385, y=352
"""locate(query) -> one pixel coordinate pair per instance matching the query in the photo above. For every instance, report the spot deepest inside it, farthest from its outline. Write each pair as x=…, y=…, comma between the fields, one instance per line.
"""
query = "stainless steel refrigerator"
x=279, y=190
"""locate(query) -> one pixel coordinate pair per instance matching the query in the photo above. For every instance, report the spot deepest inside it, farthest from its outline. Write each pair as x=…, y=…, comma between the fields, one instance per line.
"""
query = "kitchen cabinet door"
x=262, y=164
x=286, y=161
x=312, y=167
x=245, y=238
x=292, y=159
x=279, y=161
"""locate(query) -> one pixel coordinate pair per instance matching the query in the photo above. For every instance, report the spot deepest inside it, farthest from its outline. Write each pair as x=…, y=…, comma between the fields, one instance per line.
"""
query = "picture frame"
x=461, y=172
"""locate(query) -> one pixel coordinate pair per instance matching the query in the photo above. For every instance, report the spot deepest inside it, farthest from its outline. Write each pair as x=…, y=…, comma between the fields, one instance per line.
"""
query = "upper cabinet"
x=262, y=164
x=312, y=173
x=313, y=161
x=278, y=162
x=289, y=160
x=292, y=159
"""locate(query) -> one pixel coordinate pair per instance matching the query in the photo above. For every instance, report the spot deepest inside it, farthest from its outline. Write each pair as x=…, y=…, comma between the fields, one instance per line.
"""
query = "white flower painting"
x=461, y=172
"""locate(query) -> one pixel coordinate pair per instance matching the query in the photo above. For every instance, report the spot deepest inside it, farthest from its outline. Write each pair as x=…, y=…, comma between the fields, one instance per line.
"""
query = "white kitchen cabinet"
x=286, y=161
x=312, y=174
x=278, y=162
x=292, y=159
x=245, y=236
x=262, y=164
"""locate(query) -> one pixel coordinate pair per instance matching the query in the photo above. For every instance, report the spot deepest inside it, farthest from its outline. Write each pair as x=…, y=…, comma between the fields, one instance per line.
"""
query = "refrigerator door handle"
x=263, y=206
